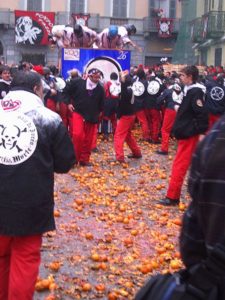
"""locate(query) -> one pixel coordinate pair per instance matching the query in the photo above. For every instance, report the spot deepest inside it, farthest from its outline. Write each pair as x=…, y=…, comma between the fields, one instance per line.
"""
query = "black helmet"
x=131, y=29
x=77, y=29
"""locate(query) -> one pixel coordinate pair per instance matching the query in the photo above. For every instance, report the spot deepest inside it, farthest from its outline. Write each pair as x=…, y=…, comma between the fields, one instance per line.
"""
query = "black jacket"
x=4, y=88
x=126, y=106
x=89, y=104
x=192, y=116
x=41, y=146
x=215, y=98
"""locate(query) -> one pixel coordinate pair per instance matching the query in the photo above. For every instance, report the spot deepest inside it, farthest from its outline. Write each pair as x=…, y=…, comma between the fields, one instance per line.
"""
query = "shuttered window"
x=120, y=8
x=77, y=6
x=152, y=6
x=34, y=5
x=173, y=9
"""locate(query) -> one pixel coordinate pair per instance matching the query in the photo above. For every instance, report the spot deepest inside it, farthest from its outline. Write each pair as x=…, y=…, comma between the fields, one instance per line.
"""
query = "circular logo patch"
x=153, y=87
x=115, y=89
x=18, y=138
x=217, y=93
x=138, y=88
x=177, y=97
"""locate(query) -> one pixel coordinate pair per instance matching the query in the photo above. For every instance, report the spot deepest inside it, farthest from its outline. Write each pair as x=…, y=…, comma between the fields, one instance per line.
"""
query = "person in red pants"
x=154, y=89
x=87, y=99
x=170, y=99
x=126, y=116
x=191, y=121
x=112, y=92
x=34, y=145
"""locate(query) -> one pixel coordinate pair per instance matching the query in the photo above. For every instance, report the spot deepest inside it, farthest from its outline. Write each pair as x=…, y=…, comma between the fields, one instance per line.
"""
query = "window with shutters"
x=77, y=6
x=173, y=9
x=152, y=8
x=34, y=5
x=206, y=6
x=119, y=8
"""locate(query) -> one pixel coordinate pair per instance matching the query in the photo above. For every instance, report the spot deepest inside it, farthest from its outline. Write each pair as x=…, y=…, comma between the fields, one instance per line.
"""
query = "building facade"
x=207, y=31
x=157, y=23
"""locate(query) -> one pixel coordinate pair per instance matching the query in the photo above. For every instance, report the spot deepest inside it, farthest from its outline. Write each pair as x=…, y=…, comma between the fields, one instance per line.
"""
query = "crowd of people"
x=184, y=106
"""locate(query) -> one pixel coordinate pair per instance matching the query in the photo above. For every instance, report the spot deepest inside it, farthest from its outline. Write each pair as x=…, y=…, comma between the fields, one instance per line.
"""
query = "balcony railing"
x=150, y=25
x=215, y=23
x=197, y=27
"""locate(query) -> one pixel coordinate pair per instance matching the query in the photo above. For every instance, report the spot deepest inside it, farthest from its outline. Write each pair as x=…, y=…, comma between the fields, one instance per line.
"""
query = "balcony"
x=150, y=25
x=215, y=24
x=197, y=26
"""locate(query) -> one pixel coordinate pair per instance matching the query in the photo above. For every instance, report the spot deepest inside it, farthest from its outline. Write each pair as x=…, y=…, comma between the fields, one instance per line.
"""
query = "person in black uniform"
x=191, y=121
x=86, y=101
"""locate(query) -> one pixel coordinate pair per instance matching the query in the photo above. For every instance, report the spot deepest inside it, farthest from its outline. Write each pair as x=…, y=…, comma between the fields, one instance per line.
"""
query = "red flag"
x=165, y=27
x=33, y=27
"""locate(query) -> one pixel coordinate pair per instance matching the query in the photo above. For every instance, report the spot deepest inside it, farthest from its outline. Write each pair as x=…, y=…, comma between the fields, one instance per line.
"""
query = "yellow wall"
x=95, y=7
x=58, y=5
x=9, y=4
x=141, y=9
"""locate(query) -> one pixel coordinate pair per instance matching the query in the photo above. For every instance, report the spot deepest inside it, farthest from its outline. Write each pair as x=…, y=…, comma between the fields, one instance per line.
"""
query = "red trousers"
x=19, y=266
x=95, y=137
x=154, y=120
x=168, y=121
x=82, y=136
x=180, y=165
x=61, y=108
x=141, y=116
x=123, y=134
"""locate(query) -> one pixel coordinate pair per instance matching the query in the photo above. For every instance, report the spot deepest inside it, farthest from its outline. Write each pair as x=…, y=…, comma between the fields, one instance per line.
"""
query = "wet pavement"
x=111, y=232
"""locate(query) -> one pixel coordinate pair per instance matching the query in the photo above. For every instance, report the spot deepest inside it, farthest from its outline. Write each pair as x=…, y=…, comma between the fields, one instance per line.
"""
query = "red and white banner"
x=165, y=27
x=32, y=27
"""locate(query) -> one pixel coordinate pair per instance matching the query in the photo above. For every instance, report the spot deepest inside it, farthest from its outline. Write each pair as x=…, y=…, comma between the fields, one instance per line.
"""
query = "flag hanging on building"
x=164, y=27
x=32, y=27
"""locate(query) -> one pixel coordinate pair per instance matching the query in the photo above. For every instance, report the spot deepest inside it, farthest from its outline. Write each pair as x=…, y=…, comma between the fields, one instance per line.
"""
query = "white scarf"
x=90, y=85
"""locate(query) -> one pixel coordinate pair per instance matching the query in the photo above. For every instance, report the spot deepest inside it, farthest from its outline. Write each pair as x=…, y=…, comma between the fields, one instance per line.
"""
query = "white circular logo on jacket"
x=153, y=87
x=177, y=97
x=115, y=88
x=217, y=93
x=18, y=138
x=138, y=88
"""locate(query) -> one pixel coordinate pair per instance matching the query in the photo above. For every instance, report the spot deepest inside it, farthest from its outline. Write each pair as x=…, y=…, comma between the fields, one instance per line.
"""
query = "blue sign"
x=106, y=60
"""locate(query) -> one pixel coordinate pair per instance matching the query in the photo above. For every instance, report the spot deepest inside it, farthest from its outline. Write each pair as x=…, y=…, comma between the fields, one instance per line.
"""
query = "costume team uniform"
x=126, y=119
x=33, y=143
x=112, y=92
x=215, y=101
x=139, y=88
x=88, y=100
x=152, y=112
x=191, y=121
x=168, y=99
